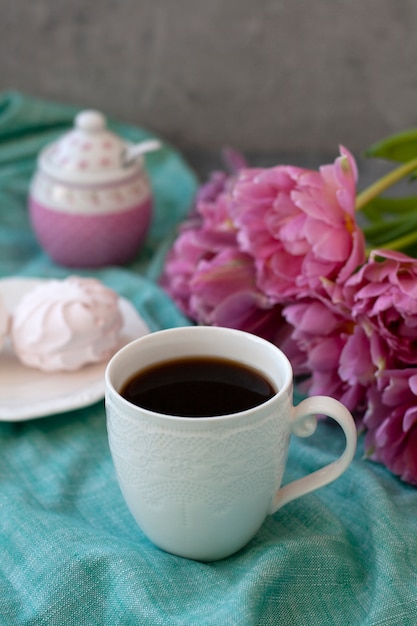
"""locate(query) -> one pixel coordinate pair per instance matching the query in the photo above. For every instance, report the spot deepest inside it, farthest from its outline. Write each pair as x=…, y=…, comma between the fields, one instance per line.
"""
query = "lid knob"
x=90, y=121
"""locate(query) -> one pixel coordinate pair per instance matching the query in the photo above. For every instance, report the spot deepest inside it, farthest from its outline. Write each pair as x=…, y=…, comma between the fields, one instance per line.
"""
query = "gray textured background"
x=292, y=76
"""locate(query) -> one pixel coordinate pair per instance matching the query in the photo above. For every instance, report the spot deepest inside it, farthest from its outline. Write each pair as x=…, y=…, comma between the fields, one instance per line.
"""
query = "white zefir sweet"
x=62, y=325
x=4, y=322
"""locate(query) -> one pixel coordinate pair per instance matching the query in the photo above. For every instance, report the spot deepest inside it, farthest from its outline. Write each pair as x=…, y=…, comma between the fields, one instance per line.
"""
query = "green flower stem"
x=384, y=183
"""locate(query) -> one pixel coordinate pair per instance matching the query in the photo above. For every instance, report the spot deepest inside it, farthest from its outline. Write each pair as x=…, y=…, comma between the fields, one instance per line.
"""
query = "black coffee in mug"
x=198, y=387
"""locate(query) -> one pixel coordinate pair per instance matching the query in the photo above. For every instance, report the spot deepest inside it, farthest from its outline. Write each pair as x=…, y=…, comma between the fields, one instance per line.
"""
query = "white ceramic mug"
x=201, y=488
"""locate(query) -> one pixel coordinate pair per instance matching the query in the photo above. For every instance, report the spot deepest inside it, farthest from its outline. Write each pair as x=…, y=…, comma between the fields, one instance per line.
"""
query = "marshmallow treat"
x=63, y=325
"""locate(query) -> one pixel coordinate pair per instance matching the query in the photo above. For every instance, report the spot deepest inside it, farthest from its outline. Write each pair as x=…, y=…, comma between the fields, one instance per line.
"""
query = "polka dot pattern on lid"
x=89, y=147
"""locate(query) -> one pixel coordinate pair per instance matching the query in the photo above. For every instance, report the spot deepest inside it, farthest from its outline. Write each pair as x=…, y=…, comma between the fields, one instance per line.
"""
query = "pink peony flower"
x=299, y=226
x=382, y=297
x=391, y=422
x=336, y=353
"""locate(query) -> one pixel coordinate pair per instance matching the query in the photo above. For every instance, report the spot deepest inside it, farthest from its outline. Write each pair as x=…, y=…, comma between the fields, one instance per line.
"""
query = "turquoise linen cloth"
x=70, y=552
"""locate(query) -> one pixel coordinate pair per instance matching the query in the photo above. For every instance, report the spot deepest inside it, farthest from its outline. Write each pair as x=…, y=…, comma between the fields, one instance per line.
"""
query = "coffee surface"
x=198, y=387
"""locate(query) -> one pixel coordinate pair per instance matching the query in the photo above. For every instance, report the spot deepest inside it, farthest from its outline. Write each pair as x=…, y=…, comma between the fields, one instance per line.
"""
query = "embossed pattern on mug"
x=180, y=465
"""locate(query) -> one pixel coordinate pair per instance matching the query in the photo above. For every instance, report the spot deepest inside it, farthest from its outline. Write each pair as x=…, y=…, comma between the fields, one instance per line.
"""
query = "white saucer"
x=27, y=393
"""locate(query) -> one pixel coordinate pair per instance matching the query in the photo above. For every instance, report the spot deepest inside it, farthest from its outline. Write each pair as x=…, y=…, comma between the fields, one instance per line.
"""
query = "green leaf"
x=401, y=147
x=380, y=207
x=380, y=233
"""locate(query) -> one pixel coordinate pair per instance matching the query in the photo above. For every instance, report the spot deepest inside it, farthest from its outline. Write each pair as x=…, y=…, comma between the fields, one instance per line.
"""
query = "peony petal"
x=328, y=244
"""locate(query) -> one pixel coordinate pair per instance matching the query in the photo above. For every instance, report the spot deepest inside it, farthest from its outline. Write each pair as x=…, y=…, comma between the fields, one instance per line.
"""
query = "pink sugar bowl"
x=90, y=200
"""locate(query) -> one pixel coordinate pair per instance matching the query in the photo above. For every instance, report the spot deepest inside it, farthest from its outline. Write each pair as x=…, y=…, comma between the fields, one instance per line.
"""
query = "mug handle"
x=303, y=424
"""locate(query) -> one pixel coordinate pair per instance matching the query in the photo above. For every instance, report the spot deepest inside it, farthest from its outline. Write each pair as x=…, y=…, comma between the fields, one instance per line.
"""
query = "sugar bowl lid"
x=91, y=154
